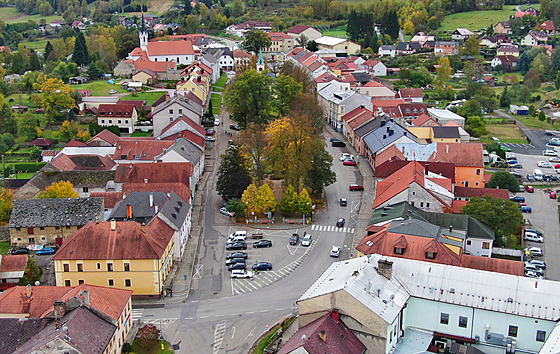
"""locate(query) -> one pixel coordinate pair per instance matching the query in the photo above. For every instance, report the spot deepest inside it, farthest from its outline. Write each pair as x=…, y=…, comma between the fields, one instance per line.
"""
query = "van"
x=238, y=233
x=529, y=236
x=537, y=173
x=236, y=239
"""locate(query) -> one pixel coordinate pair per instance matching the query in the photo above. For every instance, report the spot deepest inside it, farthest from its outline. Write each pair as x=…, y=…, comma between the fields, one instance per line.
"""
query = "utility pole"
x=3, y=166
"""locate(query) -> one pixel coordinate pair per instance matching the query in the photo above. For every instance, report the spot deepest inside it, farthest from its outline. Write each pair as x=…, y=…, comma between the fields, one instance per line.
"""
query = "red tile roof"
x=278, y=36
x=392, y=153
x=42, y=142
x=424, y=120
x=357, y=117
x=130, y=240
x=64, y=162
x=190, y=136
x=547, y=26
x=181, y=189
x=297, y=29
x=295, y=51
x=370, y=63
x=468, y=192
x=143, y=150
x=498, y=265
x=109, y=198
x=137, y=104
x=13, y=263
x=106, y=136
x=241, y=54
x=15, y=300
x=156, y=66
x=115, y=110
x=49, y=152
x=462, y=155
x=140, y=172
x=411, y=92
x=387, y=103
x=374, y=83
x=75, y=143
x=387, y=168
x=187, y=120
x=315, y=65
x=170, y=48
x=413, y=109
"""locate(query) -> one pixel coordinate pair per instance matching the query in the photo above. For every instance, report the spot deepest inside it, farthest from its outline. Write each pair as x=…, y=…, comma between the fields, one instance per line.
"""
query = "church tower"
x=143, y=34
x=260, y=62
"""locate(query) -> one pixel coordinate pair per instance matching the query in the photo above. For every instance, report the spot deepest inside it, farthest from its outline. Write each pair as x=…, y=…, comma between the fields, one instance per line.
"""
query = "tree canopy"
x=233, y=174
x=62, y=189
x=503, y=180
x=255, y=40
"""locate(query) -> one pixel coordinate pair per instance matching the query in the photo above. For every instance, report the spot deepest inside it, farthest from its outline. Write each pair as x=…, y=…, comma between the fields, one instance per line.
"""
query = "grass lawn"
x=157, y=349
x=10, y=15
x=20, y=98
x=339, y=32
x=149, y=97
x=475, y=20
x=534, y=122
x=221, y=83
x=24, y=175
x=36, y=45
x=507, y=133
x=99, y=87
x=141, y=134
x=4, y=247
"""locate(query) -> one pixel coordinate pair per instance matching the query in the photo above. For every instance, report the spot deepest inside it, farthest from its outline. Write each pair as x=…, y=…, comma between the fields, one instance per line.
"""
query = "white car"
x=346, y=156
x=531, y=274
x=335, y=251
x=112, y=92
x=554, y=159
x=549, y=152
x=306, y=240
x=209, y=138
x=216, y=122
x=538, y=263
x=534, y=268
x=241, y=273
x=544, y=164
x=534, y=251
x=224, y=211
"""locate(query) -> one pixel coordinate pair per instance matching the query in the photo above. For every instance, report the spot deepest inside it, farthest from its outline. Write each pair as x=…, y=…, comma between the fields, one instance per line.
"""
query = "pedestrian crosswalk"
x=514, y=145
x=137, y=314
x=157, y=321
x=219, y=333
x=331, y=228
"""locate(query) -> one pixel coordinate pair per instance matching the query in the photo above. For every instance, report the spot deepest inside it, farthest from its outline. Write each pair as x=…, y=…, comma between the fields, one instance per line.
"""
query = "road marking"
x=137, y=314
x=219, y=335
x=250, y=333
x=232, y=334
x=290, y=249
x=198, y=271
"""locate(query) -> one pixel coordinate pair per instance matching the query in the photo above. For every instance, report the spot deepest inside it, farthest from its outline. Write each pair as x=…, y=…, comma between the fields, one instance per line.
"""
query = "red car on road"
x=530, y=189
x=349, y=163
x=356, y=187
x=552, y=195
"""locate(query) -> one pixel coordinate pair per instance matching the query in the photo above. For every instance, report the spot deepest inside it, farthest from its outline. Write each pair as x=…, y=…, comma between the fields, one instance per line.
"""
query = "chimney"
x=167, y=98
x=151, y=200
x=385, y=268
x=28, y=290
x=113, y=225
x=450, y=228
x=323, y=335
x=59, y=311
x=129, y=211
x=334, y=313
x=447, y=148
x=86, y=297
x=157, y=208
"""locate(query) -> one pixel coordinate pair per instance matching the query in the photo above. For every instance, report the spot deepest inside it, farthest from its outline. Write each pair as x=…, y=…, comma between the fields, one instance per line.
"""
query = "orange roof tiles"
x=498, y=265
x=75, y=143
x=425, y=120
x=151, y=173
x=241, y=54
x=398, y=182
x=15, y=300
x=109, y=198
x=462, y=155
x=182, y=190
x=170, y=48
x=106, y=136
x=64, y=162
x=13, y=263
x=469, y=192
x=140, y=149
x=115, y=110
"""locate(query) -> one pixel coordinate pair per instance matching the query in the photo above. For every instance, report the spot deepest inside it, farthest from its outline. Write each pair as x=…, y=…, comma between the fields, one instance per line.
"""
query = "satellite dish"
x=377, y=289
x=392, y=297
x=37, y=283
x=369, y=258
x=304, y=337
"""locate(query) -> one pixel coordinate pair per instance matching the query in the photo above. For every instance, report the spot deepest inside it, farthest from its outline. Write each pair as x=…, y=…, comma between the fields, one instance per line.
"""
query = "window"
x=110, y=121
x=430, y=255
x=98, y=265
x=126, y=121
x=469, y=242
x=41, y=228
x=427, y=205
x=80, y=281
x=109, y=267
x=137, y=157
x=412, y=203
x=463, y=322
x=541, y=336
x=512, y=332
x=30, y=231
x=85, y=189
x=57, y=227
x=444, y=318
x=80, y=267
x=127, y=283
x=170, y=111
x=111, y=282
x=31, y=239
x=399, y=250
x=127, y=267
x=119, y=121
x=43, y=238
x=66, y=267
x=171, y=119
x=478, y=171
x=68, y=227
x=486, y=245
x=181, y=111
x=67, y=283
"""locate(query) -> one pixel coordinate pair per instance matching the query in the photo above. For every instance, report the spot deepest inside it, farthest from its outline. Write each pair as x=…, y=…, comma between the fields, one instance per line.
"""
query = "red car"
x=356, y=187
x=530, y=189
x=557, y=165
x=210, y=132
x=552, y=195
x=349, y=163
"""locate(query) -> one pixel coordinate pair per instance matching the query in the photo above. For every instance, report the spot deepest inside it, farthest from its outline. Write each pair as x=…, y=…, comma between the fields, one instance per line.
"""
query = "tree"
x=249, y=99
x=236, y=206
x=250, y=199
x=472, y=46
x=255, y=40
x=503, y=180
x=542, y=116
x=6, y=204
x=304, y=203
x=300, y=75
x=8, y=123
x=475, y=126
x=55, y=97
x=48, y=50
x=302, y=40
x=95, y=129
x=289, y=202
x=312, y=46
x=62, y=189
x=192, y=23
x=390, y=23
x=286, y=89
x=266, y=199
x=503, y=215
x=254, y=143
x=557, y=81
x=505, y=100
x=35, y=153
x=532, y=80
x=523, y=63
x=32, y=273
x=34, y=63
x=443, y=72
x=187, y=7
x=80, y=55
x=68, y=130
x=18, y=65
x=148, y=337
x=93, y=72
x=233, y=174
x=320, y=174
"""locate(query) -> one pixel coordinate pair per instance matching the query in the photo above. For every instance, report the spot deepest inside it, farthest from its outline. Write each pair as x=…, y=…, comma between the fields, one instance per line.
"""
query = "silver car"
x=335, y=251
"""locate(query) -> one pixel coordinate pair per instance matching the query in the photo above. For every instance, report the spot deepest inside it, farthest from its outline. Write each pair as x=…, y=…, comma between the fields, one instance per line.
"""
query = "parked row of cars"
x=237, y=261
x=42, y=252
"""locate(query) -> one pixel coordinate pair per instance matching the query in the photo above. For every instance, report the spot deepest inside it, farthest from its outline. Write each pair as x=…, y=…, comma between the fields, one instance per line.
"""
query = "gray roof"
x=181, y=100
x=421, y=228
x=14, y=332
x=140, y=203
x=175, y=210
x=386, y=135
x=388, y=47
x=446, y=132
x=219, y=52
x=56, y=212
x=369, y=126
x=361, y=77
x=187, y=149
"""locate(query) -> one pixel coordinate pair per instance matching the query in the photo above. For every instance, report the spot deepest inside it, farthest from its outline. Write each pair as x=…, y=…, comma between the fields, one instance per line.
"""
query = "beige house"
x=349, y=47
x=309, y=32
x=281, y=43
x=146, y=77
x=51, y=221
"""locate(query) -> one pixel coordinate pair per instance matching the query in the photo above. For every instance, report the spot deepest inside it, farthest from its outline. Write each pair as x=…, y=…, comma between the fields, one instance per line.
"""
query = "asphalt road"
x=225, y=315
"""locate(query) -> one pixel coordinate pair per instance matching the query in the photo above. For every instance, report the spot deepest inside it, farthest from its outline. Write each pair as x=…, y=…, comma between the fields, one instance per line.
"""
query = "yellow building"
x=125, y=255
x=428, y=135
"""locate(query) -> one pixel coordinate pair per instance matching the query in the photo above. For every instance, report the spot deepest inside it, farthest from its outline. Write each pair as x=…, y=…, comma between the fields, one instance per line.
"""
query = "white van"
x=537, y=173
x=238, y=233
x=529, y=236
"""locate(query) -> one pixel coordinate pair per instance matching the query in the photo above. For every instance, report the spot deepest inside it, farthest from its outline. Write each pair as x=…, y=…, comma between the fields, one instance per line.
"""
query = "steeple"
x=260, y=62
x=143, y=34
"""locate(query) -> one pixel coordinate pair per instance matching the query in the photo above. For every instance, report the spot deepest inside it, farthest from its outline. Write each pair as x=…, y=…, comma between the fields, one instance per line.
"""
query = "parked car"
x=552, y=195
x=530, y=178
x=343, y=202
x=529, y=236
x=549, y=152
x=517, y=165
x=335, y=251
x=236, y=246
x=338, y=143
x=356, y=187
x=216, y=122
x=534, y=251
x=235, y=260
x=237, y=266
x=535, y=231
x=550, y=178
x=241, y=273
x=294, y=239
x=234, y=127
x=544, y=164
x=210, y=132
x=554, y=159
x=506, y=149
x=333, y=139
x=516, y=174
x=20, y=251
x=530, y=189
x=262, y=266
x=236, y=255
x=345, y=156
x=526, y=209
x=549, y=134
x=512, y=162
x=534, y=268
x=224, y=211
x=531, y=274
x=262, y=244
x=46, y=251
x=306, y=240
x=112, y=92
x=209, y=138
x=340, y=222
x=349, y=163
x=517, y=199
x=538, y=263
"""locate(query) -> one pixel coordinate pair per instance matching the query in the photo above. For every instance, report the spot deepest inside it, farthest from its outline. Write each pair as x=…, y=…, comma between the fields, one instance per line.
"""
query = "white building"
x=444, y=116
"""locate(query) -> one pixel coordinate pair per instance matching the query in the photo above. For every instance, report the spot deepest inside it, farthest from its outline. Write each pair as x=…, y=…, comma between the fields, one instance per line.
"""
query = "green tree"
x=505, y=99
x=312, y=46
x=48, y=50
x=249, y=98
x=304, y=203
x=266, y=199
x=233, y=174
x=192, y=23
x=523, y=63
x=236, y=206
x=55, y=97
x=32, y=273
x=286, y=89
x=472, y=46
x=6, y=204
x=503, y=215
x=35, y=153
x=255, y=40
x=26, y=126
x=542, y=116
x=237, y=9
x=80, y=55
x=475, y=126
x=503, y=180
x=390, y=23
x=320, y=174
x=470, y=108
x=557, y=81
x=443, y=72
x=18, y=65
x=8, y=123
x=254, y=143
x=93, y=72
x=289, y=202
x=68, y=130
x=62, y=189
x=34, y=63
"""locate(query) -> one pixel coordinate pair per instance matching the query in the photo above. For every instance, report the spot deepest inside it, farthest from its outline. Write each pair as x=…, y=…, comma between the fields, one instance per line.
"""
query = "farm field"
x=10, y=15
x=507, y=133
x=149, y=97
x=475, y=20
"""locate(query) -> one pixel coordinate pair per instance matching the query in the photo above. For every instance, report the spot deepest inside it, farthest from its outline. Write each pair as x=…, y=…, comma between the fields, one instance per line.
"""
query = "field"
x=338, y=32
x=149, y=97
x=507, y=133
x=36, y=45
x=475, y=20
x=10, y=15
x=99, y=87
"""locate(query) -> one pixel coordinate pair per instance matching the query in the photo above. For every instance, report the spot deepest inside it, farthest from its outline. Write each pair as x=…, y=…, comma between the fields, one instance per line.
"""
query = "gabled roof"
x=411, y=92
x=497, y=265
x=547, y=26
x=12, y=264
x=41, y=142
x=183, y=123
x=446, y=132
x=109, y=198
x=170, y=48
x=278, y=36
x=106, y=136
x=117, y=110
x=462, y=155
x=140, y=205
x=368, y=127
x=55, y=212
x=75, y=143
x=468, y=192
x=238, y=53
x=297, y=29
x=14, y=332
x=186, y=149
x=398, y=182
x=143, y=150
x=63, y=162
x=358, y=116
x=181, y=189
x=151, y=173
x=129, y=240
x=387, y=167
x=386, y=135
x=424, y=120
x=182, y=101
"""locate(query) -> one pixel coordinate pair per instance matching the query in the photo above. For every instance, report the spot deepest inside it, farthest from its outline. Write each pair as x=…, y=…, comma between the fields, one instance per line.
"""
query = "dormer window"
x=430, y=255
x=398, y=250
